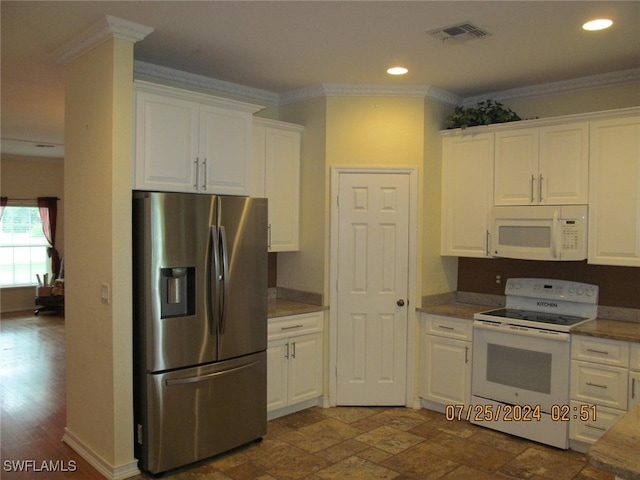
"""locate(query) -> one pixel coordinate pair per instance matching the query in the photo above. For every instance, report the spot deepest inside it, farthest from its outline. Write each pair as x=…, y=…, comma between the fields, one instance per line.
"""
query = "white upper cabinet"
x=542, y=165
x=275, y=174
x=467, y=194
x=614, y=192
x=191, y=142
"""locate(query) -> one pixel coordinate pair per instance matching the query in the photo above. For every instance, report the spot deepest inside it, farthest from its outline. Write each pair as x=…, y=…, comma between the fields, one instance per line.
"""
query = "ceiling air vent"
x=459, y=32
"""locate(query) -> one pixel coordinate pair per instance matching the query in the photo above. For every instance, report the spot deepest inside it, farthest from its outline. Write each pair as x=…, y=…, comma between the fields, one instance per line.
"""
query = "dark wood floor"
x=32, y=397
x=316, y=444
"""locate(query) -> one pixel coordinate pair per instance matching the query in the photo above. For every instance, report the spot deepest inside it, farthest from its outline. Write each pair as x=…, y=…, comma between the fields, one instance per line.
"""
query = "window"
x=23, y=246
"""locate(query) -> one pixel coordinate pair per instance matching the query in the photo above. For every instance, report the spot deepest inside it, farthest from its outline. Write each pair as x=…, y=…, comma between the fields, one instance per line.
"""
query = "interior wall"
x=439, y=274
x=98, y=149
x=304, y=270
x=26, y=178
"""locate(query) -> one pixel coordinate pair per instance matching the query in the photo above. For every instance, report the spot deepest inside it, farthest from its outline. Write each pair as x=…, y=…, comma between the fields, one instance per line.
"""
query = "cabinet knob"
x=400, y=303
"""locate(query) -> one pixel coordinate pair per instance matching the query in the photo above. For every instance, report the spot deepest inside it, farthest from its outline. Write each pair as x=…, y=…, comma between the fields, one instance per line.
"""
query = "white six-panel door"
x=372, y=289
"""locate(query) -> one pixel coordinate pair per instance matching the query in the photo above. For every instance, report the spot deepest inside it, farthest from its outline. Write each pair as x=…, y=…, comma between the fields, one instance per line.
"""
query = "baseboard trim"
x=107, y=470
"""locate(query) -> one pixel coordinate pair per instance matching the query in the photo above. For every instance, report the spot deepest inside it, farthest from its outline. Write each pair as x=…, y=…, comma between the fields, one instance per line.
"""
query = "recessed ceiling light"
x=598, y=24
x=397, y=71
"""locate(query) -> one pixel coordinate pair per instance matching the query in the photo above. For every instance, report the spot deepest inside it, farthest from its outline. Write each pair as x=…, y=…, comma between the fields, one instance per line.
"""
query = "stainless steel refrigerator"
x=200, y=325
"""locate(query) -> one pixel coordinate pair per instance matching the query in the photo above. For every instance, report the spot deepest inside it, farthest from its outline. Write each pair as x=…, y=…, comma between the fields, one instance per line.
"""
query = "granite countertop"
x=618, y=450
x=456, y=309
x=277, y=307
x=613, y=329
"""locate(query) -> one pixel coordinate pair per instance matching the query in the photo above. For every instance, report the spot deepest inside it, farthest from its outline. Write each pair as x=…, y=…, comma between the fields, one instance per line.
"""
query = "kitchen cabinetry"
x=467, y=194
x=634, y=374
x=542, y=165
x=294, y=363
x=614, y=192
x=275, y=174
x=445, y=377
x=599, y=376
x=190, y=142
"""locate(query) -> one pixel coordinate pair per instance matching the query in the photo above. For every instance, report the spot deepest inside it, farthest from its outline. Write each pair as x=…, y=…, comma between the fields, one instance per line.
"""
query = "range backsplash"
x=619, y=286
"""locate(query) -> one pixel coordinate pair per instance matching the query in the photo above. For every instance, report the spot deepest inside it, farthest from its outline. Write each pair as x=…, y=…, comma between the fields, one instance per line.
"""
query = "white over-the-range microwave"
x=545, y=232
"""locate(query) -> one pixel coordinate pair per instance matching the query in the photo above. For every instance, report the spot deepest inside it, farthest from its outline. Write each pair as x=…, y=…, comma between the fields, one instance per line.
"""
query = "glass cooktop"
x=540, y=317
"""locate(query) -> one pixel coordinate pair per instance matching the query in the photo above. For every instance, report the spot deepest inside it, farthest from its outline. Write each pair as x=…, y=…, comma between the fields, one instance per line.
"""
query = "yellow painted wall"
x=31, y=177
x=98, y=146
x=305, y=270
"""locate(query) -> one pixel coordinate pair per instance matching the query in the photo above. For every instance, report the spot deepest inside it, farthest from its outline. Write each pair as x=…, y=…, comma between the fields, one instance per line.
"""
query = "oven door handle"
x=522, y=331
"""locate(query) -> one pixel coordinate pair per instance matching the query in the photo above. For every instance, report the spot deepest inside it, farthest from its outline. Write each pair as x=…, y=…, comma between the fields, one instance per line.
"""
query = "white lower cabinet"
x=634, y=374
x=445, y=377
x=294, y=362
x=600, y=378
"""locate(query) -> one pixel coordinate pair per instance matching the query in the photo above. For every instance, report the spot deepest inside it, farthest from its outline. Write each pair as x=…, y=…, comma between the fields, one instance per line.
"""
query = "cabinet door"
x=563, y=168
x=225, y=145
x=446, y=373
x=614, y=192
x=305, y=367
x=634, y=389
x=600, y=384
x=516, y=167
x=277, y=365
x=467, y=194
x=591, y=430
x=282, y=188
x=166, y=139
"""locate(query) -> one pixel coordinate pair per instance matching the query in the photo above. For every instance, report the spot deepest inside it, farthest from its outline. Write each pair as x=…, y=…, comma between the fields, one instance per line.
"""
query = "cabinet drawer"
x=634, y=356
x=600, y=350
x=589, y=431
x=450, y=327
x=599, y=384
x=293, y=325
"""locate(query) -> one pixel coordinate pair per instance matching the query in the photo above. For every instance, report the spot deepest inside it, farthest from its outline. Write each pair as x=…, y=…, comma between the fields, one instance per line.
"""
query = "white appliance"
x=545, y=232
x=521, y=358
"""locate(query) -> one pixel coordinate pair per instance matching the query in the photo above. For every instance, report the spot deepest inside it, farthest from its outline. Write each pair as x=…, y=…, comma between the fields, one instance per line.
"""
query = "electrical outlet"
x=105, y=293
x=499, y=278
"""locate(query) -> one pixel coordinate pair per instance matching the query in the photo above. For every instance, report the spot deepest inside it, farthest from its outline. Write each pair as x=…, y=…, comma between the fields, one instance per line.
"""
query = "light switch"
x=105, y=293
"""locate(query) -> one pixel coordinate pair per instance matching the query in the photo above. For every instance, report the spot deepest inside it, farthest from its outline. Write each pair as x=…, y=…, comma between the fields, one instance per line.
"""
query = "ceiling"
x=281, y=46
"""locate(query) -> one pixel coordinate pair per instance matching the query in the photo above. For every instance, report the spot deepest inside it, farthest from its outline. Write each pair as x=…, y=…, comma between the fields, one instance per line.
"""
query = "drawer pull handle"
x=291, y=327
x=445, y=327
x=596, y=427
x=602, y=352
x=596, y=385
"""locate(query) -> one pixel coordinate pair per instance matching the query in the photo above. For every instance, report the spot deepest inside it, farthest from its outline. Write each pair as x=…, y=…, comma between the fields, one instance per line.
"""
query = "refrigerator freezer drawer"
x=198, y=412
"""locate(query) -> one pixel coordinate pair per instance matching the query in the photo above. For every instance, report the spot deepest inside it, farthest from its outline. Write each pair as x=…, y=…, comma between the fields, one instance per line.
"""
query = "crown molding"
x=105, y=29
x=566, y=86
x=178, y=78
x=368, y=90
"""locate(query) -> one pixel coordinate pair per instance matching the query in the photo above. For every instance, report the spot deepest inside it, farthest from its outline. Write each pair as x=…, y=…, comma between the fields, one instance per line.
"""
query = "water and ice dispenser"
x=177, y=291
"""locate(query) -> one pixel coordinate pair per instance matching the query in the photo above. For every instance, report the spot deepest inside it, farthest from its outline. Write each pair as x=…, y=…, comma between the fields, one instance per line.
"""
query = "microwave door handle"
x=554, y=235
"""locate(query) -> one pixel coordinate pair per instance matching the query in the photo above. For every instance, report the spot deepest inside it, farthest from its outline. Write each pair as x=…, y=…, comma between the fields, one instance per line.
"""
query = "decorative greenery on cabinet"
x=484, y=113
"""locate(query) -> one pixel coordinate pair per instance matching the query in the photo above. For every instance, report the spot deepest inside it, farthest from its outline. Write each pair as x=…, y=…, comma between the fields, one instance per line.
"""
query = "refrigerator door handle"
x=214, y=290
x=209, y=376
x=224, y=296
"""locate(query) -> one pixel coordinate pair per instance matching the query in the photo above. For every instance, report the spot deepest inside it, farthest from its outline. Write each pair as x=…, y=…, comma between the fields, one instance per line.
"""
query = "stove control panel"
x=552, y=289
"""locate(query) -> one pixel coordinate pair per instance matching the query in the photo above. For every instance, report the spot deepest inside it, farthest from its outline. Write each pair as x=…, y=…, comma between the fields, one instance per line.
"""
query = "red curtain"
x=3, y=203
x=48, y=208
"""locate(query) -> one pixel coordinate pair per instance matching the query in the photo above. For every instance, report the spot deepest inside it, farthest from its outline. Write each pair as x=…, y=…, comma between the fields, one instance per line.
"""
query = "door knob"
x=400, y=303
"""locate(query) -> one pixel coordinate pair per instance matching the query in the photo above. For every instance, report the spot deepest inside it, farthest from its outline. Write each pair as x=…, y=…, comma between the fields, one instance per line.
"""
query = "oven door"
x=520, y=365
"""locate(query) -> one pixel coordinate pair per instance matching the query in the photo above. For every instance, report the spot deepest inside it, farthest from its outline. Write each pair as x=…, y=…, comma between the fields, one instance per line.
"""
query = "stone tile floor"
x=387, y=443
